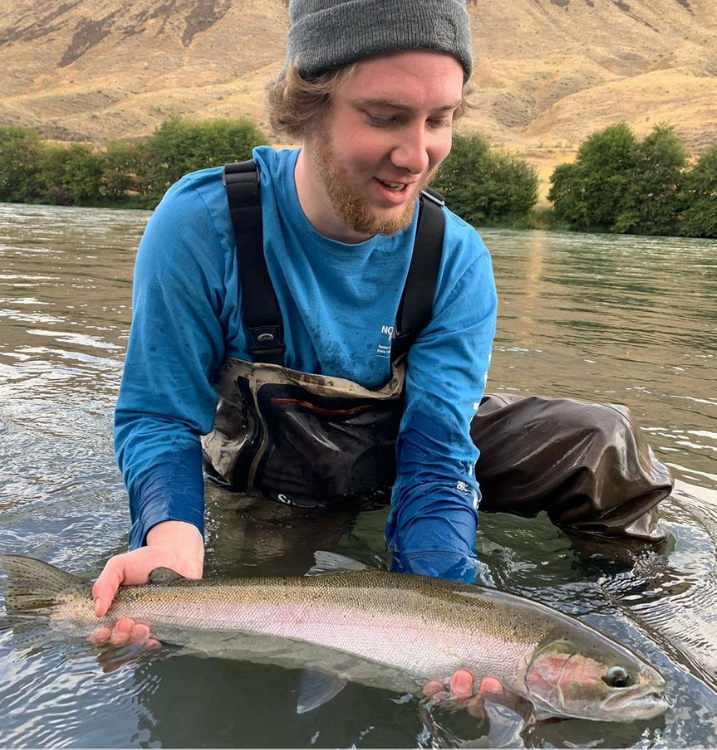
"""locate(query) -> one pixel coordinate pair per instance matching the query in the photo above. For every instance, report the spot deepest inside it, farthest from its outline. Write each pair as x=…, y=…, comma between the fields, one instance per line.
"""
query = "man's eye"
x=442, y=123
x=381, y=122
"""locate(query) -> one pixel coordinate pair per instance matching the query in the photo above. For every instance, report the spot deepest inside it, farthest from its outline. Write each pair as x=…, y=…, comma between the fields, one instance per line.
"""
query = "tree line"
x=123, y=174
x=620, y=184
x=616, y=184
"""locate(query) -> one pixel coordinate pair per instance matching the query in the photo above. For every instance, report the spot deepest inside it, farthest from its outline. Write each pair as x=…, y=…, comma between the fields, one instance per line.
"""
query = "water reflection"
x=622, y=319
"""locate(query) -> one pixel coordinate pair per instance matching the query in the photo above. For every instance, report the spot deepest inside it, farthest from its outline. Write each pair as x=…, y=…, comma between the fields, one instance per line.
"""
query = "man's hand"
x=171, y=544
x=461, y=691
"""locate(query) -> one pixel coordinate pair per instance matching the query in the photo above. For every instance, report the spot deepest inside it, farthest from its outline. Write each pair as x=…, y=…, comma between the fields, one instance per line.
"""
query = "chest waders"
x=301, y=438
x=312, y=440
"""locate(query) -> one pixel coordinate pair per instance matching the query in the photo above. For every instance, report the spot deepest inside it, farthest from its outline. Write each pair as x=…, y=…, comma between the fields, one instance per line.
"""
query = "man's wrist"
x=443, y=564
x=171, y=532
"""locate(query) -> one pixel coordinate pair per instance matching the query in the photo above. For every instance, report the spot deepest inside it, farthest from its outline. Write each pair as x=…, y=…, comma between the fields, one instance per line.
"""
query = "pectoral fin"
x=315, y=689
x=165, y=575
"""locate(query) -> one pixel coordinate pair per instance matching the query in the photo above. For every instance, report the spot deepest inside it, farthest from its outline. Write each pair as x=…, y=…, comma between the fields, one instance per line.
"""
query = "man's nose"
x=411, y=151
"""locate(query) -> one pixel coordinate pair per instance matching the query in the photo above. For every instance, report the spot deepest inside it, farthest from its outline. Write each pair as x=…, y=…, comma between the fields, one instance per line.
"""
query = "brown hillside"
x=549, y=71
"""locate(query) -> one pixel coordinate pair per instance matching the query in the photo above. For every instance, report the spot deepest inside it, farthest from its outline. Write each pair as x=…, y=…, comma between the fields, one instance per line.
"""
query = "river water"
x=623, y=319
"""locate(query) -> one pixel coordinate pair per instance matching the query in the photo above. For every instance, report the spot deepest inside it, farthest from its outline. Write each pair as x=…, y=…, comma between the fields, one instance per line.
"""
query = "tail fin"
x=35, y=585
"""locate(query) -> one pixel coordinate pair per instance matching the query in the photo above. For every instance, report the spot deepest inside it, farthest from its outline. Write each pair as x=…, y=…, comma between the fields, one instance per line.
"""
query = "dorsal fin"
x=331, y=562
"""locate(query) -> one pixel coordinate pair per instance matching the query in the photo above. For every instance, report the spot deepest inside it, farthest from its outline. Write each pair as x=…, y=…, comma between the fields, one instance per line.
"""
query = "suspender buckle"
x=242, y=173
x=268, y=346
x=433, y=195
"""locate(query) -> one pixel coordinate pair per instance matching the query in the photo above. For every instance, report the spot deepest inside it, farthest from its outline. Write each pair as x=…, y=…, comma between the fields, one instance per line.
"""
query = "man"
x=371, y=88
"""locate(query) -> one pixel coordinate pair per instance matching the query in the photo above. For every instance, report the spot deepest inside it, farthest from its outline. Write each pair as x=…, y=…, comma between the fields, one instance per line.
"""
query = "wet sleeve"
x=167, y=398
x=432, y=525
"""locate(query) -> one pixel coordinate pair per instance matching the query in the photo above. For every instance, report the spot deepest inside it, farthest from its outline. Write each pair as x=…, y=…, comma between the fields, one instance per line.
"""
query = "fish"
x=348, y=622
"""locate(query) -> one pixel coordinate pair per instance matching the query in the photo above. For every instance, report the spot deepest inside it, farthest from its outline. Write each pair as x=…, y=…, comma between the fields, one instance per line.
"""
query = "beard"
x=347, y=201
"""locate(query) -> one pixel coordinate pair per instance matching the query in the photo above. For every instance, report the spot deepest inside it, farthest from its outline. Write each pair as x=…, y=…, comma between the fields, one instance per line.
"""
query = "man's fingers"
x=106, y=585
x=461, y=691
x=122, y=632
x=126, y=632
x=176, y=545
x=100, y=636
x=491, y=685
x=462, y=684
x=435, y=690
x=139, y=633
x=103, y=601
x=461, y=687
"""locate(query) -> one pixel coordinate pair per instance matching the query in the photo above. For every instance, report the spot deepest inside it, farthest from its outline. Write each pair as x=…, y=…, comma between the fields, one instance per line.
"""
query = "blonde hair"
x=295, y=103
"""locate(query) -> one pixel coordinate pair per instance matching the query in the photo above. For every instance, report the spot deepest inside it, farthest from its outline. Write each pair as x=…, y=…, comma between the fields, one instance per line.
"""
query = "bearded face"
x=384, y=132
x=352, y=204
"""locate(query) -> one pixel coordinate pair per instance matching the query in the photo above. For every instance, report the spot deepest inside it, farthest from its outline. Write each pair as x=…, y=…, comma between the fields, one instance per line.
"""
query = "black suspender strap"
x=416, y=307
x=260, y=307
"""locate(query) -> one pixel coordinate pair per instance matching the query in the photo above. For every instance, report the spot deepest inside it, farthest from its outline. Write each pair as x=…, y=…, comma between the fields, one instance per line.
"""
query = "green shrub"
x=66, y=175
x=700, y=219
x=123, y=174
x=19, y=159
x=654, y=198
x=589, y=194
x=618, y=184
x=179, y=146
x=50, y=183
x=486, y=187
x=123, y=165
x=83, y=175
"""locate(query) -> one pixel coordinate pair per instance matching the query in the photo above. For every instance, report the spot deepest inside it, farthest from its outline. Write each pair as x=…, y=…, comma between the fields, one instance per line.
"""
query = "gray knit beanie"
x=326, y=34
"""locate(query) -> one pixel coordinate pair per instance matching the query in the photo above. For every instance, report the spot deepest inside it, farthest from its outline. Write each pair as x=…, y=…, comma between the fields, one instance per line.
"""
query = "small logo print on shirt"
x=384, y=350
x=463, y=488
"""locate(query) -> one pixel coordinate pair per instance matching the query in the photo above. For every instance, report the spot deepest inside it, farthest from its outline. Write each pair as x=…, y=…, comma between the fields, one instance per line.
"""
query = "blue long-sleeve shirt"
x=338, y=304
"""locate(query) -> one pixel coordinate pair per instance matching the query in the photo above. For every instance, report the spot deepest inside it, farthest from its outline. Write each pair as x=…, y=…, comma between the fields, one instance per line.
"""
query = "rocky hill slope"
x=549, y=71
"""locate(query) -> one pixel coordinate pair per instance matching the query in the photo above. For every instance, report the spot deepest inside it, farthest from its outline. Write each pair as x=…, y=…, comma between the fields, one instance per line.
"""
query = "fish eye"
x=617, y=677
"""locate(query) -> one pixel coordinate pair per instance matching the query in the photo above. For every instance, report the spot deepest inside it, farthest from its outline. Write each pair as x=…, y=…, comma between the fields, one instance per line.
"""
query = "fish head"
x=585, y=675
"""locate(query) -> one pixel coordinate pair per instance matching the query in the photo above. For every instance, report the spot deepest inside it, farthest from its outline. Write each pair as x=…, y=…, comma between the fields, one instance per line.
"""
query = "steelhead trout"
x=388, y=630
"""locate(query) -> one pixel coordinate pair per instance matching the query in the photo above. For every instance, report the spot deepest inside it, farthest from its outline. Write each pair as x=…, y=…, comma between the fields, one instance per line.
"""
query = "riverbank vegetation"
x=619, y=184
x=486, y=187
x=616, y=184
x=123, y=174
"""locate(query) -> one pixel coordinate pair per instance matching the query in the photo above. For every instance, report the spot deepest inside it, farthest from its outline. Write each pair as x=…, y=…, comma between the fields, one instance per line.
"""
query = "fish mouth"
x=641, y=702
x=638, y=705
